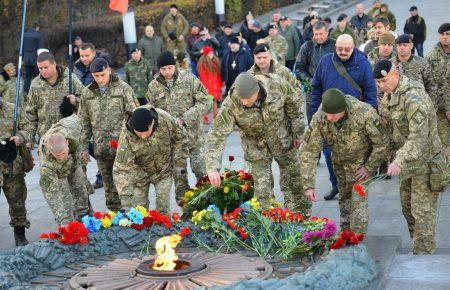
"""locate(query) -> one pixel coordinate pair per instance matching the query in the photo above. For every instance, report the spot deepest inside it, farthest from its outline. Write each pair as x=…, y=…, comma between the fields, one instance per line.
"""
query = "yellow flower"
x=112, y=214
x=142, y=210
x=226, y=189
x=188, y=195
x=255, y=203
x=106, y=222
x=197, y=216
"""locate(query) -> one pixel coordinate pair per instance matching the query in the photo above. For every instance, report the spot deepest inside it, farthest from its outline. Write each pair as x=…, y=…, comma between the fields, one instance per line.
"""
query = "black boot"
x=19, y=236
x=98, y=182
x=332, y=194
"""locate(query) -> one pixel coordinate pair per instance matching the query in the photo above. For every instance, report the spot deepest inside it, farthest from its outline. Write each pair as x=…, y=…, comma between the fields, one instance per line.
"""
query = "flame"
x=165, y=247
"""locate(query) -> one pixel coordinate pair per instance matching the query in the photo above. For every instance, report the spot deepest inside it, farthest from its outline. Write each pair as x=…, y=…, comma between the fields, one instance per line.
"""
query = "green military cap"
x=386, y=38
x=333, y=101
x=8, y=66
x=246, y=85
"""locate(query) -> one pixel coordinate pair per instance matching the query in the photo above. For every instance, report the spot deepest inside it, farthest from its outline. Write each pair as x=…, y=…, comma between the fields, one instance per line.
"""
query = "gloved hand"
x=8, y=151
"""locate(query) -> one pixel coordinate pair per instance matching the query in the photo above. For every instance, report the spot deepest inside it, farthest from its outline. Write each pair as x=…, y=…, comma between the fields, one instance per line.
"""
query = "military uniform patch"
x=380, y=127
x=121, y=154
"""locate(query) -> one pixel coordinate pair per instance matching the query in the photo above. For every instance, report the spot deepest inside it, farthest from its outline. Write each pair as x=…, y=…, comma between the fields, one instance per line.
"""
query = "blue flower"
x=117, y=218
x=91, y=223
x=135, y=216
x=214, y=208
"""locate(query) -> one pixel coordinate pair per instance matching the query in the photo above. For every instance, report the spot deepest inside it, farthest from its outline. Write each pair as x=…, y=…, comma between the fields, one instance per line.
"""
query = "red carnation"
x=245, y=187
x=83, y=241
x=360, y=237
x=114, y=144
x=175, y=217
x=231, y=158
x=137, y=227
x=147, y=222
x=185, y=232
x=359, y=189
x=98, y=215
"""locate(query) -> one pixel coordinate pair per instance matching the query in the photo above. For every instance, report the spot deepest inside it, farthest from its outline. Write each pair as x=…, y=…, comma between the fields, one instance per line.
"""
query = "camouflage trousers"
x=180, y=175
x=176, y=44
x=443, y=125
x=15, y=191
x=290, y=182
x=66, y=196
x=354, y=209
x=419, y=206
x=111, y=195
x=89, y=188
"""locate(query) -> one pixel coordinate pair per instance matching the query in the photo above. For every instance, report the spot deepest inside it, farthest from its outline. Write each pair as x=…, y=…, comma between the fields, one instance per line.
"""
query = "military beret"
x=174, y=6
x=341, y=17
x=8, y=66
x=8, y=151
x=444, y=27
x=333, y=101
x=386, y=38
x=234, y=39
x=404, y=38
x=263, y=47
x=283, y=18
x=246, y=85
x=273, y=26
x=142, y=118
x=413, y=8
x=164, y=59
x=98, y=65
x=228, y=25
x=382, y=68
x=135, y=50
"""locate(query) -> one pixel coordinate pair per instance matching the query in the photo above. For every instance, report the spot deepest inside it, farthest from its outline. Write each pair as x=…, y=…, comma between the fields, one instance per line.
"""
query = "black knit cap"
x=174, y=6
x=228, y=25
x=263, y=47
x=404, y=38
x=234, y=39
x=142, y=118
x=382, y=68
x=98, y=65
x=444, y=27
x=164, y=59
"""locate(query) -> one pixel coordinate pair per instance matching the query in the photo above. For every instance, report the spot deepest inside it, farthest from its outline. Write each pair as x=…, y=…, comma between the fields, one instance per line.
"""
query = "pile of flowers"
x=347, y=237
x=137, y=218
x=236, y=188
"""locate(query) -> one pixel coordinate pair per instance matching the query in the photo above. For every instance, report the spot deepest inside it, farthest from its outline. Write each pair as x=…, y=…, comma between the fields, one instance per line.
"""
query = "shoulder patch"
x=380, y=127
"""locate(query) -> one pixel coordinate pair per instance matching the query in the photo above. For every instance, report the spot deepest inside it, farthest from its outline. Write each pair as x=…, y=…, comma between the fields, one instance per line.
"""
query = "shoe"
x=19, y=236
x=98, y=183
x=332, y=194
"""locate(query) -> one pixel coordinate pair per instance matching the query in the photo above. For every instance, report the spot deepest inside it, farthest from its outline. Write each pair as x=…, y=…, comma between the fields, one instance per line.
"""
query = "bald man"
x=359, y=20
x=348, y=70
x=62, y=177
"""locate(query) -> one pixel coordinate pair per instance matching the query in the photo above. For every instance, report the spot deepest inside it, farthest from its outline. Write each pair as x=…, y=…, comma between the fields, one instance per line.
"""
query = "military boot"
x=19, y=236
x=332, y=194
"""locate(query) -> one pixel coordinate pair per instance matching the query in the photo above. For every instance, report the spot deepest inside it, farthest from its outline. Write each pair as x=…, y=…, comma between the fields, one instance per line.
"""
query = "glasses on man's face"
x=342, y=49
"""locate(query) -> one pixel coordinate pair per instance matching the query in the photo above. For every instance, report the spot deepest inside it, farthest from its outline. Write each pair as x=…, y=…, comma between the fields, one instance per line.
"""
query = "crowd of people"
x=372, y=107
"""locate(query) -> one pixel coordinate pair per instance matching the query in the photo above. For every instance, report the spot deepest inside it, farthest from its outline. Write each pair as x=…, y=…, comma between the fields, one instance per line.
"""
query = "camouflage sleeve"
x=32, y=112
x=380, y=142
x=215, y=142
x=130, y=101
x=294, y=110
x=125, y=171
x=127, y=75
x=310, y=153
x=24, y=135
x=200, y=106
x=297, y=88
x=164, y=32
x=85, y=120
x=149, y=95
x=416, y=142
x=180, y=141
x=284, y=48
x=78, y=89
x=430, y=83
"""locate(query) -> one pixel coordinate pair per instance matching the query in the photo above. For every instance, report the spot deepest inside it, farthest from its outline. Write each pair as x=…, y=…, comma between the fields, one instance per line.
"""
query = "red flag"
x=119, y=6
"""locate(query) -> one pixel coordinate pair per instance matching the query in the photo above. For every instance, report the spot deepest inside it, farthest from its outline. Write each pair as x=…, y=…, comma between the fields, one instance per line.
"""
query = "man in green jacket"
x=138, y=74
x=291, y=36
x=174, y=28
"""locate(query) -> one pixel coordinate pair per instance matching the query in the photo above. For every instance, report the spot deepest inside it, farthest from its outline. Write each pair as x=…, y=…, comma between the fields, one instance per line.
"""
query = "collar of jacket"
x=163, y=81
x=352, y=58
x=271, y=67
x=60, y=71
x=401, y=88
x=113, y=79
x=323, y=44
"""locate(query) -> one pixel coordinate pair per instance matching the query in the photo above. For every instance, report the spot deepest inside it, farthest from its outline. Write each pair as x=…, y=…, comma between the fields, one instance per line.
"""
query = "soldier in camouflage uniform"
x=412, y=118
x=358, y=142
x=174, y=29
x=151, y=144
x=439, y=60
x=47, y=92
x=384, y=50
x=2, y=84
x=62, y=176
x=277, y=43
x=14, y=187
x=269, y=115
x=9, y=94
x=104, y=106
x=138, y=74
x=182, y=95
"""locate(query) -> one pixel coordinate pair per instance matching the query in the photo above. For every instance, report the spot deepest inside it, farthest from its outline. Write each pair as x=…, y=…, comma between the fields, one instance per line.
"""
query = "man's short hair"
x=35, y=24
x=56, y=143
x=87, y=45
x=46, y=56
x=320, y=25
x=382, y=20
x=78, y=38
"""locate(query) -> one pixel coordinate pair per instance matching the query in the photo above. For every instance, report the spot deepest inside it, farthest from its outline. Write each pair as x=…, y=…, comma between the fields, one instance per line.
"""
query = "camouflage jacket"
x=186, y=99
x=44, y=100
x=70, y=128
x=417, y=69
x=360, y=139
x=286, y=74
x=2, y=85
x=440, y=65
x=9, y=95
x=414, y=131
x=138, y=76
x=374, y=57
x=267, y=129
x=178, y=25
x=6, y=129
x=279, y=45
x=138, y=159
x=102, y=115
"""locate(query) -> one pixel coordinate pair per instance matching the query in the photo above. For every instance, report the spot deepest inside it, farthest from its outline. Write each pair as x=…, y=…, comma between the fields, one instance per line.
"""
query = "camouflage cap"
x=246, y=85
x=333, y=101
x=386, y=38
x=8, y=66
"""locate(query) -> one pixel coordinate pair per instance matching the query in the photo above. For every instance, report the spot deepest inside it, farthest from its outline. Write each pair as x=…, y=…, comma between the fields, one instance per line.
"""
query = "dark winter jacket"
x=416, y=26
x=243, y=59
x=82, y=71
x=309, y=56
x=360, y=22
x=32, y=41
x=196, y=52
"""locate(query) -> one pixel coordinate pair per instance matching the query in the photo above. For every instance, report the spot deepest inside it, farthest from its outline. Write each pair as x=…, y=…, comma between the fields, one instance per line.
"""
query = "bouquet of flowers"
x=236, y=188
